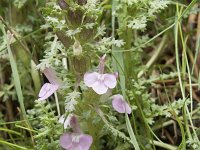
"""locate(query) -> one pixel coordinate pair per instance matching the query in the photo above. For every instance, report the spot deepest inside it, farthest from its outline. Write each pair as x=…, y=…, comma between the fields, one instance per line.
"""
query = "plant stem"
x=164, y=145
x=57, y=103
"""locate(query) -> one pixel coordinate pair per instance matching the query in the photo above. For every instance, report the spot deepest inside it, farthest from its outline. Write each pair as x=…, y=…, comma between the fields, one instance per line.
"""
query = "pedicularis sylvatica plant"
x=99, y=98
x=96, y=92
x=82, y=65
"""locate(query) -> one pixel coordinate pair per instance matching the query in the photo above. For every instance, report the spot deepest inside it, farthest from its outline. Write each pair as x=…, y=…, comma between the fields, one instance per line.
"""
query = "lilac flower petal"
x=75, y=147
x=116, y=74
x=99, y=87
x=110, y=80
x=120, y=105
x=44, y=88
x=51, y=76
x=66, y=140
x=85, y=141
x=90, y=78
x=47, y=90
x=128, y=108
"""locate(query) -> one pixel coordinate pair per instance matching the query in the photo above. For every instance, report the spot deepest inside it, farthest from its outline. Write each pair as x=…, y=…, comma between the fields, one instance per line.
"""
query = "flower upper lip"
x=49, y=88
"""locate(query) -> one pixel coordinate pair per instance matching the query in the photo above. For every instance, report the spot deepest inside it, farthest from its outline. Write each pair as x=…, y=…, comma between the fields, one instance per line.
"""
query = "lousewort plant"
x=124, y=74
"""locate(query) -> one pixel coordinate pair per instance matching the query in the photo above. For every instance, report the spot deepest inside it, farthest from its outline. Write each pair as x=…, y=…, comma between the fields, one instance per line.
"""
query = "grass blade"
x=131, y=133
x=15, y=76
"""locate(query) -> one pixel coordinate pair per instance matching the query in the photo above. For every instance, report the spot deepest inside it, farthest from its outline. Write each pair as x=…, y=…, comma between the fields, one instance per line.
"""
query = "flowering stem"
x=57, y=103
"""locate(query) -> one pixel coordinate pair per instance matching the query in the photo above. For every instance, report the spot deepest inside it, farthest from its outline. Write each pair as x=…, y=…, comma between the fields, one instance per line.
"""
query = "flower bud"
x=62, y=4
x=77, y=48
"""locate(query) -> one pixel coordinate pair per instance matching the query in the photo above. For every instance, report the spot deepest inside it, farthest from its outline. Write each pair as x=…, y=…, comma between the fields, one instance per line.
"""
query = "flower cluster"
x=100, y=82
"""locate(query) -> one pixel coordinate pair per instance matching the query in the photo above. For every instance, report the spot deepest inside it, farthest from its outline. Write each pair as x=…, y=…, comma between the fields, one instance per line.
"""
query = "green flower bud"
x=77, y=48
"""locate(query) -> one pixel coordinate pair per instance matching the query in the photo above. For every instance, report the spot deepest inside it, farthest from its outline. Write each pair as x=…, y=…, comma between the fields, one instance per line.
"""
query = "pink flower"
x=99, y=81
x=75, y=140
x=49, y=88
x=120, y=105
